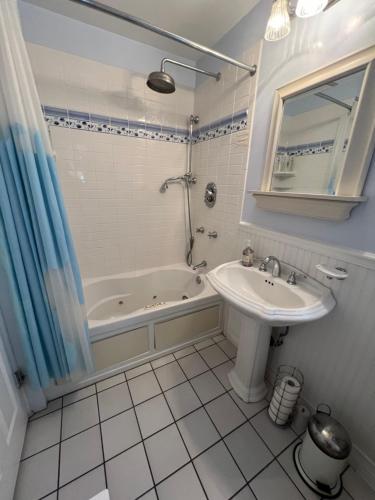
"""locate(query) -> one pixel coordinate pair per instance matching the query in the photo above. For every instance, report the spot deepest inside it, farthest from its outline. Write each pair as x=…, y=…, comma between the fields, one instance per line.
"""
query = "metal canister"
x=324, y=452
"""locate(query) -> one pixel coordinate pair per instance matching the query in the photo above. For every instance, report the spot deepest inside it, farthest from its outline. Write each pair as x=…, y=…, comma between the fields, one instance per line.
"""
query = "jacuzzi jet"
x=120, y=302
x=155, y=297
x=185, y=297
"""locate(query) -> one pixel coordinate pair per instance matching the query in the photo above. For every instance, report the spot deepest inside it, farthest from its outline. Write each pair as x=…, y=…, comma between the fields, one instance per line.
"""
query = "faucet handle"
x=263, y=267
x=200, y=229
x=292, y=278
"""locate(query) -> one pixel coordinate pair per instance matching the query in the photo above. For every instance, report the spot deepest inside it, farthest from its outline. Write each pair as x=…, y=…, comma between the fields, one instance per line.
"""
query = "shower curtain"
x=41, y=297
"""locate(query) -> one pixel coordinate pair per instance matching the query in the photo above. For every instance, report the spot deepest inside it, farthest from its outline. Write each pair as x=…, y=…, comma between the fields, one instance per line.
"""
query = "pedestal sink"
x=264, y=301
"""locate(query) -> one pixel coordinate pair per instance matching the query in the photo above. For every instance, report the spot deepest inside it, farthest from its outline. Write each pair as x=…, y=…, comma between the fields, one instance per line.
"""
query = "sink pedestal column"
x=247, y=376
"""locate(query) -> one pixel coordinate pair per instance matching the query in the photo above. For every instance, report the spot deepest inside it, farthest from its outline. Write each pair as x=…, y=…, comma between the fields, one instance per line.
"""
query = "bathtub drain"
x=185, y=297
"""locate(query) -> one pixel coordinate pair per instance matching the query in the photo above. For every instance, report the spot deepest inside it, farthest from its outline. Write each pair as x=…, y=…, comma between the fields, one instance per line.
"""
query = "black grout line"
x=31, y=419
x=143, y=443
x=101, y=440
x=179, y=431
x=59, y=461
x=175, y=421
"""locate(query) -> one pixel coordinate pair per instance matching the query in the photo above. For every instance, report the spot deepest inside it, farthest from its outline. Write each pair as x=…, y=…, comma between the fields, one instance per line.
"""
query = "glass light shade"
x=278, y=25
x=309, y=8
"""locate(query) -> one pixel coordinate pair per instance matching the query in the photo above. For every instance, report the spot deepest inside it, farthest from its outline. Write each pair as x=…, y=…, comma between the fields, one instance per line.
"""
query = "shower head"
x=161, y=82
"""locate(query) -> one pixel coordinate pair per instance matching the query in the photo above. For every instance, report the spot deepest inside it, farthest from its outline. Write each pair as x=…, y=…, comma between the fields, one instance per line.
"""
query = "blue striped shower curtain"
x=41, y=297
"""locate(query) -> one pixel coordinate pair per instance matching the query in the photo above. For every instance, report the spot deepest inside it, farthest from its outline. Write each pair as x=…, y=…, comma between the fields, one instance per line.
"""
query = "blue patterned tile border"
x=78, y=120
x=225, y=126
x=313, y=148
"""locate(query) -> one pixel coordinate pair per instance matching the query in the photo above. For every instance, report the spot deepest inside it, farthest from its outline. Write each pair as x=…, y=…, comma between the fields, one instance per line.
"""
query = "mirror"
x=315, y=128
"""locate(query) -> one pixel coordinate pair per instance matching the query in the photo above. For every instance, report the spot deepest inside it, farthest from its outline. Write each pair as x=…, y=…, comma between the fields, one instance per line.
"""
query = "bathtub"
x=139, y=315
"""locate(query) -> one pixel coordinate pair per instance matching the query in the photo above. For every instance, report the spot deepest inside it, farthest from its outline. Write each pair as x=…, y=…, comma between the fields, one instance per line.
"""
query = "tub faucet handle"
x=200, y=229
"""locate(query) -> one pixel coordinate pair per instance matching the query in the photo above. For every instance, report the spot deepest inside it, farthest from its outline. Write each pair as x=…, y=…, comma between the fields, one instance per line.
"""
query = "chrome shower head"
x=161, y=82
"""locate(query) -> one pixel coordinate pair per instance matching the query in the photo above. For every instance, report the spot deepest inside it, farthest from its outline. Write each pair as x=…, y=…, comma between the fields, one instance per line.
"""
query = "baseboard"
x=363, y=465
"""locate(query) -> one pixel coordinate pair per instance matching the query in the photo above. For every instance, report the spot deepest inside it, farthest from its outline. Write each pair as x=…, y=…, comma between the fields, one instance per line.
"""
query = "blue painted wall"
x=55, y=31
x=347, y=27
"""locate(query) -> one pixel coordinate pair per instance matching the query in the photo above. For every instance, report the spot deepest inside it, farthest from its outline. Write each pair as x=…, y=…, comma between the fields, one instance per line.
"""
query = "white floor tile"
x=225, y=414
x=183, y=485
x=144, y=387
x=203, y=344
x=119, y=433
x=37, y=476
x=51, y=406
x=128, y=474
x=182, y=400
x=75, y=396
x=151, y=495
x=274, y=484
x=153, y=415
x=197, y=432
x=213, y=356
x=244, y=494
x=113, y=401
x=42, y=433
x=139, y=370
x=110, y=382
x=249, y=409
x=229, y=349
x=248, y=450
x=218, y=472
x=166, y=452
x=222, y=371
x=170, y=375
x=85, y=487
x=53, y=496
x=79, y=454
x=207, y=386
x=219, y=338
x=193, y=365
x=357, y=487
x=184, y=352
x=276, y=438
x=157, y=363
x=79, y=416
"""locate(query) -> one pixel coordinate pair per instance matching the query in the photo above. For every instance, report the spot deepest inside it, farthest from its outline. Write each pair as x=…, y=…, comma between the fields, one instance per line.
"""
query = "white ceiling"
x=204, y=21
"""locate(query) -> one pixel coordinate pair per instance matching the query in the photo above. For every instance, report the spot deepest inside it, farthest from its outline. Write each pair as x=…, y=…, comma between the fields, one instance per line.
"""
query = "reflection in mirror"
x=314, y=133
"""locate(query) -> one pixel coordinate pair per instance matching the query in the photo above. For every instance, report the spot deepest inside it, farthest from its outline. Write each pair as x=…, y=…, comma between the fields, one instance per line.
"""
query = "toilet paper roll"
x=290, y=385
x=277, y=418
x=285, y=401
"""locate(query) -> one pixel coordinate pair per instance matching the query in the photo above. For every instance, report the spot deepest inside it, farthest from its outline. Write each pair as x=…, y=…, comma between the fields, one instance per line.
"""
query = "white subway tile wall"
x=222, y=160
x=120, y=221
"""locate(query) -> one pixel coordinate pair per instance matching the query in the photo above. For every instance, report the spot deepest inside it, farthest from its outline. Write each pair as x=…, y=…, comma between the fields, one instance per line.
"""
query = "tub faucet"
x=276, y=265
x=201, y=264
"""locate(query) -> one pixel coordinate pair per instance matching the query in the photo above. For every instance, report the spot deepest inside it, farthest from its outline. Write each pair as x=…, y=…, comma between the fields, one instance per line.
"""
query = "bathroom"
x=187, y=206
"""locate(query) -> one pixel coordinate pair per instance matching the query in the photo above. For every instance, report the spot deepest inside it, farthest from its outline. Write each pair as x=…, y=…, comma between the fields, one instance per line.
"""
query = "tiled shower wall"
x=222, y=160
x=120, y=221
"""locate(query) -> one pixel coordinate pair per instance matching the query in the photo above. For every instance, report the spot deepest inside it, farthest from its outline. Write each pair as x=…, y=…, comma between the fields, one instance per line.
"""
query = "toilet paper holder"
x=287, y=388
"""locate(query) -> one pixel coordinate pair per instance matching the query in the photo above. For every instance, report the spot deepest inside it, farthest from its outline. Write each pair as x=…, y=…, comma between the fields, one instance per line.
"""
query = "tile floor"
x=171, y=429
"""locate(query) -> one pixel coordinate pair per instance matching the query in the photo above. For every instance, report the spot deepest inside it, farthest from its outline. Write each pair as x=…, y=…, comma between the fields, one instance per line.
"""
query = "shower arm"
x=119, y=14
x=164, y=61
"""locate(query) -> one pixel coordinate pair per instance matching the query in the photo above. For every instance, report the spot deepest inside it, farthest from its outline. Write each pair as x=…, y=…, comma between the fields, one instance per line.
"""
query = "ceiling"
x=204, y=21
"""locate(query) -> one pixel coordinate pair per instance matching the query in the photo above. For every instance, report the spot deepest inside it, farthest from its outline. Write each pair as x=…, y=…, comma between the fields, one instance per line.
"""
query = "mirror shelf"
x=322, y=136
x=324, y=207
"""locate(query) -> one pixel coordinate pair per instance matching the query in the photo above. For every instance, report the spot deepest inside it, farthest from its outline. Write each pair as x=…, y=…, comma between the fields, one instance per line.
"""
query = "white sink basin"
x=272, y=300
x=264, y=301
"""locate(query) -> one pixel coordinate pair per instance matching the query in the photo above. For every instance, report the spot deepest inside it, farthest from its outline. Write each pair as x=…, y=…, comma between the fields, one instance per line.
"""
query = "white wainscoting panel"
x=337, y=353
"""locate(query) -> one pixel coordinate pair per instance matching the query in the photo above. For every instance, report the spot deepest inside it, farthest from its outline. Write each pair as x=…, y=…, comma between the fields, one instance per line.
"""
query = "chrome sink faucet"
x=201, y=264
x=276, y=270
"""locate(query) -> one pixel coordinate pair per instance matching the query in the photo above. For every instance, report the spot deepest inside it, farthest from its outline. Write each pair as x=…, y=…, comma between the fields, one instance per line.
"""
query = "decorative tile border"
x=225, y=126
x=108, y=125
x=58, y=117
x=313, y=148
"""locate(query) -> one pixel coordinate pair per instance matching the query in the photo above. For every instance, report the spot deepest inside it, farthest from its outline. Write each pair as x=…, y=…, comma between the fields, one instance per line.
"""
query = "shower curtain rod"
x=167, y=34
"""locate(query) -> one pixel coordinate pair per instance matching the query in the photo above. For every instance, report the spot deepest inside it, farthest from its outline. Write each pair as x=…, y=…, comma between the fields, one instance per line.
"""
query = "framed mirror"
x=321, y=140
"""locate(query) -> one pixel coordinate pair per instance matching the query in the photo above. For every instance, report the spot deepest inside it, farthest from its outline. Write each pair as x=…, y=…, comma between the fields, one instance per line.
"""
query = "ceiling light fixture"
x=278, y=25
x=309, y=8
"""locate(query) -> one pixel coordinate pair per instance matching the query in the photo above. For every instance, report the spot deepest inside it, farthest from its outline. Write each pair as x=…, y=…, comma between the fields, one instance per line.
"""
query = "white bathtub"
x=139, y=314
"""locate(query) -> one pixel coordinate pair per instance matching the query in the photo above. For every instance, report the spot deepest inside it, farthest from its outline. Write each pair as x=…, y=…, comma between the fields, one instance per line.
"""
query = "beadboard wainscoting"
x=337, y=353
